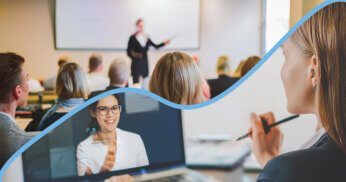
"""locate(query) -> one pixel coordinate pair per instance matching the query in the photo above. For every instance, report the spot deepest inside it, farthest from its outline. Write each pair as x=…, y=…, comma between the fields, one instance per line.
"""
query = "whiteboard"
x=108, y=24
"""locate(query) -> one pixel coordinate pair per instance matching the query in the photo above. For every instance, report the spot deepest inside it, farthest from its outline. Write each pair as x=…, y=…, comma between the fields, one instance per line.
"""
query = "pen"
x=267, y=127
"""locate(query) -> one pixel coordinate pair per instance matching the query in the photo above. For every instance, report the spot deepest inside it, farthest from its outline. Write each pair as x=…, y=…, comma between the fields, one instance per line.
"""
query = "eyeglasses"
x=104, y=110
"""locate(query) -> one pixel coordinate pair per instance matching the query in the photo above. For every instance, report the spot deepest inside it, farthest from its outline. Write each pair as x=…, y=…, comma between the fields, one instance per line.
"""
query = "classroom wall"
x=262, y=92
x=230, y=27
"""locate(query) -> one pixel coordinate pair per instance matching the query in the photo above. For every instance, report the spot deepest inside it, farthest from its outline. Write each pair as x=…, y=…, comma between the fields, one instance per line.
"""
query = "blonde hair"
x=119, y=71
x=323, y=36
x=178, y=79
x=248, y=64
x=237, y=72
x=223, y=66
x=71, y=82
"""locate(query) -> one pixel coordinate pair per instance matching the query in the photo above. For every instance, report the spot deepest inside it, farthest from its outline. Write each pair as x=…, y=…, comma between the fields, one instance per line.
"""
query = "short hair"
x=95, y=61
x=71, y=82
x=10, y=74
x=223, y=65
x=177, y=78
x=248, y=64
x=62, y=60
x=118, y=72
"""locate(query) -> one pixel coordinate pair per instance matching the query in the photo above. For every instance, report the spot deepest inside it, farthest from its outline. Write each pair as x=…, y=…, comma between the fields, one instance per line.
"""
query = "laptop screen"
x=149, y=137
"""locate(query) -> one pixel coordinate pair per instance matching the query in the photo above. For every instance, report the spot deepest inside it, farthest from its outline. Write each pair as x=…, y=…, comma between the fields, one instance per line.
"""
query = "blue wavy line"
x=164, y=101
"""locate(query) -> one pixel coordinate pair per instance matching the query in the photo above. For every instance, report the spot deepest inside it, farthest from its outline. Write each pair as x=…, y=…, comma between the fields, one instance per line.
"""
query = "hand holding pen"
x=265, y=146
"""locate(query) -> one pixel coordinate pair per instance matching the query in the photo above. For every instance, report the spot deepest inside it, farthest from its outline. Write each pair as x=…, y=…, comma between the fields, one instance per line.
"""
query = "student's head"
x=139, y=25
x=13, y=79
x=105, y=114
x=177, y=78
x=237, y=72
x=118, y=73
x=223, y=66
x=62, y=61
x=71, y=82
x=313, y=73
x=248, y=64
x=95, y=63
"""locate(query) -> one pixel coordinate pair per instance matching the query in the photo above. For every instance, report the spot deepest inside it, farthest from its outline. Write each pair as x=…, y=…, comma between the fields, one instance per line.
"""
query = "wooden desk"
x=23, y=122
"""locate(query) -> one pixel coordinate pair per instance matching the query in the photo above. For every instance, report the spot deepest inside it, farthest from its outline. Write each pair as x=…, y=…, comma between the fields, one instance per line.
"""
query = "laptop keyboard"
x=178, y=178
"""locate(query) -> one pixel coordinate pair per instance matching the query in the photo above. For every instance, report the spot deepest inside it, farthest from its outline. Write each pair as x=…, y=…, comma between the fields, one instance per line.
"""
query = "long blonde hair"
x=71, y=82
x=178, y=79
x=323, y=36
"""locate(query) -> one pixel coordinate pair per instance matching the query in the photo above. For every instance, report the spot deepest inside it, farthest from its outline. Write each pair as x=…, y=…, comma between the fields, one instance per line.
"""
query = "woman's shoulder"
x=127, y=134
x=313, y=164
x=86, y=143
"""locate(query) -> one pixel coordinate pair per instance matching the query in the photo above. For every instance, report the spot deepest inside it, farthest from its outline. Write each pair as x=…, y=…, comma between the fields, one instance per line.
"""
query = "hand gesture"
x=167, y=42
x=265, y=146
x=109, y=161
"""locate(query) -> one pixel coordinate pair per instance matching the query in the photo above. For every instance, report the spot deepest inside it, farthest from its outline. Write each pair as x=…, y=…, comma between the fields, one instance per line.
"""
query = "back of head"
x=71, y=82
x=10, y=74
x=95, y=61
x=323, y=36
x=223, y=66
x=119, y=72
x=238, y=70
x=178, y=79
x=248, y=64
x=63, y=60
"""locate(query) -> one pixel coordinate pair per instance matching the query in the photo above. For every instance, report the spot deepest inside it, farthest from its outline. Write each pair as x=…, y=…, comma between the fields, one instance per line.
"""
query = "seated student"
x=14, y=91
x=248, y=64
x=224, y=81
x=109, y=148
x=177, y=78
x=119, y=73
x=71, y=89
x=49, y=83
x=313, y=76
x=94, y=78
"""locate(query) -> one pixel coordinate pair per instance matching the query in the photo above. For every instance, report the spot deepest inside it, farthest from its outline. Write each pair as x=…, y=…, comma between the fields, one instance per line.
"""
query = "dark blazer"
x=12, y=137
x=324, y=161
x=139, y=66
x=217, y=86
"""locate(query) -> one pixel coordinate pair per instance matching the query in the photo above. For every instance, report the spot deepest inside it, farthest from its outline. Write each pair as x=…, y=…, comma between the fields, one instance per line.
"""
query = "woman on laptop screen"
x=109, y=148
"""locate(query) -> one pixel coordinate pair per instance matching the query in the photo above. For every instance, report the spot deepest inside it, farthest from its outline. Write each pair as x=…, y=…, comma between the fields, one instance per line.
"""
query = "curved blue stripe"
x=162, y=100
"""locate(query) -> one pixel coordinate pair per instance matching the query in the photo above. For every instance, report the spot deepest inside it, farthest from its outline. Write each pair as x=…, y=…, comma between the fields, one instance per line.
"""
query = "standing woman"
x=313, y=76
x=137, y=50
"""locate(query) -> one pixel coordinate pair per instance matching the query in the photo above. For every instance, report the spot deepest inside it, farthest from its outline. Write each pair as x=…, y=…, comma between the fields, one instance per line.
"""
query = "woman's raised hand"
x=265, y=146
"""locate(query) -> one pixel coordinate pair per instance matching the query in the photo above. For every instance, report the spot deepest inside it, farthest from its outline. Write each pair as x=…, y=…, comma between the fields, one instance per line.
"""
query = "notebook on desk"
x=216, y=156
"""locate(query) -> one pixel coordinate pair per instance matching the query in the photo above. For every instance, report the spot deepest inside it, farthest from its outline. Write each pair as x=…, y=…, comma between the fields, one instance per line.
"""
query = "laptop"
x=53, y=158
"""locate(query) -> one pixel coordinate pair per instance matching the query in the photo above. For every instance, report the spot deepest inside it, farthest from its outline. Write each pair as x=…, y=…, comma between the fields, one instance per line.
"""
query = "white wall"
x=262, y=92
x=230, y=27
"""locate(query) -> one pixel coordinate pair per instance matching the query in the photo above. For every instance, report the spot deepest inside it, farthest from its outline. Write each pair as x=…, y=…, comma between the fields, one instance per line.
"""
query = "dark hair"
x=95, y=61
x=248, y=64
x=93, y=125
x=10, y=74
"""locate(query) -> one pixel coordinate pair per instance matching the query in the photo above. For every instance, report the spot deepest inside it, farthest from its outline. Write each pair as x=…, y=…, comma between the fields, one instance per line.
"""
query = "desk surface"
x=237, y=175
x=23, y=122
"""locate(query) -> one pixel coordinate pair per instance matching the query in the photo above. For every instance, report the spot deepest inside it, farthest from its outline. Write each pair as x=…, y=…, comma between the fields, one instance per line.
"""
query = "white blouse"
x=130, y=153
